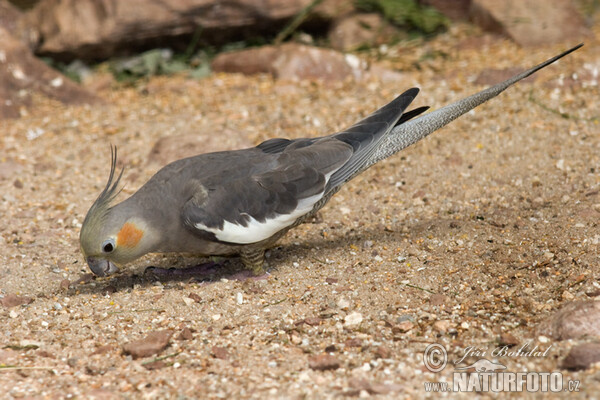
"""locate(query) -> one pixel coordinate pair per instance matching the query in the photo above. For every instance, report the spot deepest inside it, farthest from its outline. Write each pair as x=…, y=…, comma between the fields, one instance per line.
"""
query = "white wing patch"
x=256, y=231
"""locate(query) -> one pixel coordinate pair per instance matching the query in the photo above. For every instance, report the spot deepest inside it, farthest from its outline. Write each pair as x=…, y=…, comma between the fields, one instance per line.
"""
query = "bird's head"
x=109, y=235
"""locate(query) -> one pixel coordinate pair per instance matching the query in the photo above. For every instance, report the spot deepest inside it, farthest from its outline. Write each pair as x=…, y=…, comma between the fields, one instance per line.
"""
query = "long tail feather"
x=412, y=131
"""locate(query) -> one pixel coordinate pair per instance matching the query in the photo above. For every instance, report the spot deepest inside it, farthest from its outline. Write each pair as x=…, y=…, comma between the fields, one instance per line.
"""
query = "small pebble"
x=343, y=304
x=353, y=319
x=323, y=362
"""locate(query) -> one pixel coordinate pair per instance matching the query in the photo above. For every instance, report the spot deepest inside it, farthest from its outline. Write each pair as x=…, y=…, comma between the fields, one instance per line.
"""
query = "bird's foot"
x=254, y=260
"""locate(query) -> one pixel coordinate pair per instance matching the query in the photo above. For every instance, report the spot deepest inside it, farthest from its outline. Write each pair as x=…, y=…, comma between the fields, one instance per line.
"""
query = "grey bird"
x=243, y=201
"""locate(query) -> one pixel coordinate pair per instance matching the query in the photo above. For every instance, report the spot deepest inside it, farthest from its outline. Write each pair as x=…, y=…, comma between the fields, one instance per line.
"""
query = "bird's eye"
x=108, y=246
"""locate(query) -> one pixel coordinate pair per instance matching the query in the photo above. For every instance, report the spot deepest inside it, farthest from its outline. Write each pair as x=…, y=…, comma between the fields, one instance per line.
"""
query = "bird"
x=241, y=202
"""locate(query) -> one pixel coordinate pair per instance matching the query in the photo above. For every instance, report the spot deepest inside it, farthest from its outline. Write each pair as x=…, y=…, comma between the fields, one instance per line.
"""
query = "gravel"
x=484, y=229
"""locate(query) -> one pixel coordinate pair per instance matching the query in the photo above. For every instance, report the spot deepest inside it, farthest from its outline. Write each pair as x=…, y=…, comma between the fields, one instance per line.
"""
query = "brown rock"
x=313, y=321
x=383, y=352
x=575, y=320
x=83, y=279
x=332, y=9
x=354, y=342
x=171, y=148
x=298, y=62
x=508, y=339
x=453, y=9
x=195, y=297
x=158, y=364
x=582, y=356
x=358, y=30
x=323, y=362
x=532, y=22
x=442, y=326
x=11, y=18
x=12, y=300
x=403, y=327
x=186, y=334
x=290, y=61
x=294, y=62
x=98, y=29
x=153, y=343
x=220, y=352
x=253, y=61
x=438, y=299
x=21, y=75
x=65, y=284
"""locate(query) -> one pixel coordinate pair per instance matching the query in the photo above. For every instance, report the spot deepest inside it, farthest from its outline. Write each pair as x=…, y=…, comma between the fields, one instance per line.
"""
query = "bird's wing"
x=252, y=208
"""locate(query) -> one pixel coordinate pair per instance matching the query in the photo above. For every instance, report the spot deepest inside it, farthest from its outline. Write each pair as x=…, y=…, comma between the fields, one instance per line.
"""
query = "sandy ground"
x=469, y=238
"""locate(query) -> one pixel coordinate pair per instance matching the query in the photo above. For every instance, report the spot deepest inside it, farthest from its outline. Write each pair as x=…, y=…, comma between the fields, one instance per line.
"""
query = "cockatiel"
x=243, y=201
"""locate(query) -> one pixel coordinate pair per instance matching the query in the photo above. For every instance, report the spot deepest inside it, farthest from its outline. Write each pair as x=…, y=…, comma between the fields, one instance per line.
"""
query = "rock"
x=158, y=364
x=358, y=30
x=298, y=62
x=12, y=300
x=220, y=352
x=343, y=304
x=438, y=299
x=532, y=22
x=171, y=148
x=294, y=62
x=442, y=326
x=582, y=356
x=353, y=319
x=508, y=339
x=313, y=321
x=258, y=60
x=354, y=342
x=98, y=29
x=575, y=320
x=195, y=297
x=323, y=362
x=21, y=75
x=83, y=279
x=403, y=327
x=454, y=9
x=153, y=343
x=65, y=284
x=383, y=352
x=11, y=19
x=103, y=349
x=186, y=334
x=332, y=9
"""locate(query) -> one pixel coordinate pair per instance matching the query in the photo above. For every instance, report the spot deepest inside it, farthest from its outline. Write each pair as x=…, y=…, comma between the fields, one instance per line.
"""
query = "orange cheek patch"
x=129, y=235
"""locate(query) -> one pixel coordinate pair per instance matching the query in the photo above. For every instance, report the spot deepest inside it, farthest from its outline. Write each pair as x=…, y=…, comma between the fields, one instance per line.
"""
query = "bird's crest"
x=99, y=209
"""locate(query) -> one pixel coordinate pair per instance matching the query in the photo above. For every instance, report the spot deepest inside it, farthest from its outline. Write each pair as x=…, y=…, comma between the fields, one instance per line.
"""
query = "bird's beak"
x=101, y=266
